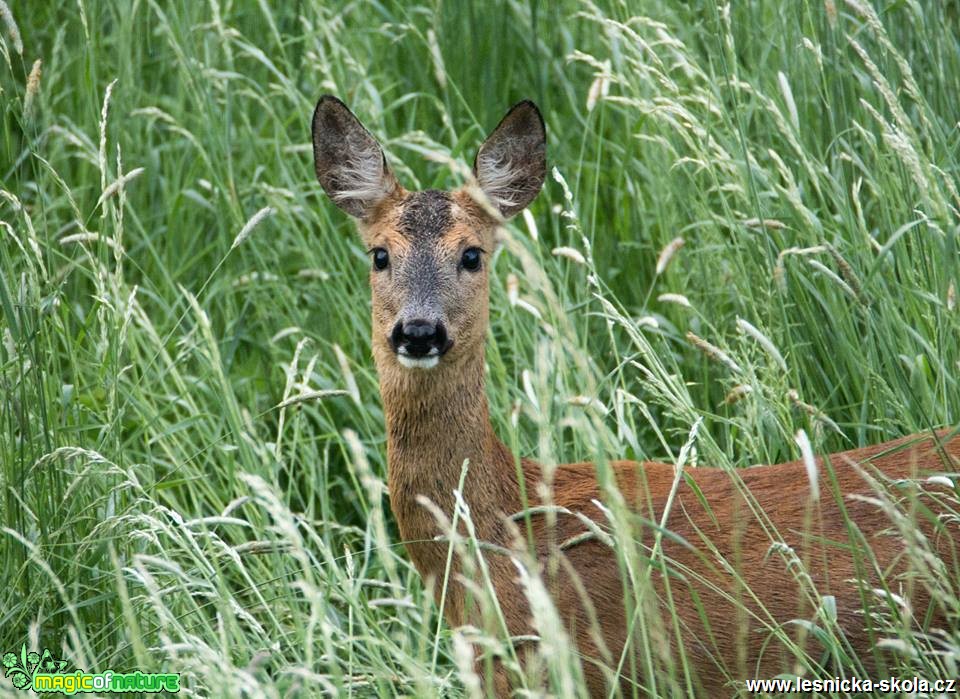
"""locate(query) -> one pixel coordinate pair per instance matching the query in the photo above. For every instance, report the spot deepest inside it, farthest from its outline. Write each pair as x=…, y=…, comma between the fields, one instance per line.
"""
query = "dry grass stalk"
x=714, y=352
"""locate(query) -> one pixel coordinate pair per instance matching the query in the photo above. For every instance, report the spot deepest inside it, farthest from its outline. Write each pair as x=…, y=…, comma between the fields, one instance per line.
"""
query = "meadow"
x=749, y=231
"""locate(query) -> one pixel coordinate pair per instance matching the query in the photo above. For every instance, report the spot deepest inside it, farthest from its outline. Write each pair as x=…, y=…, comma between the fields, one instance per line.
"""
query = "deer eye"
x=471, y=259
x=381, y=258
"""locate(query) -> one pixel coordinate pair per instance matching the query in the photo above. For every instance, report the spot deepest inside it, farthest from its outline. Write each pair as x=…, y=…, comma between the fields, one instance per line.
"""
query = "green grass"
x=159, y=510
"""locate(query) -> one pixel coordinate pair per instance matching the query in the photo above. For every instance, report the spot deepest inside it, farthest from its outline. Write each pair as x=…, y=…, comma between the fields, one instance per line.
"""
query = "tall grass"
x=191, y=451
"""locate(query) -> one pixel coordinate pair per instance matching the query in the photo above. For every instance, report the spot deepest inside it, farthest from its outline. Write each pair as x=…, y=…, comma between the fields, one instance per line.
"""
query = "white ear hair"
x=362, y=177
x=497, y=177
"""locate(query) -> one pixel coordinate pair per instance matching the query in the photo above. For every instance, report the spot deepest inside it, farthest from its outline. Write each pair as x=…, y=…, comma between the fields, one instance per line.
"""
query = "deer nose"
x=419, y=338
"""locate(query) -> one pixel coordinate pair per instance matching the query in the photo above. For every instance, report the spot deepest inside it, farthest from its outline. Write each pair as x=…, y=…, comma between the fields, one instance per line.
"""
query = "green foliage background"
x=158, y=509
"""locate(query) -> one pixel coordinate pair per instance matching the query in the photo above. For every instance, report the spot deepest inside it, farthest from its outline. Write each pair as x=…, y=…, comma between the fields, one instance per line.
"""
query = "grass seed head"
x=809, y=463
x=250, y=225
x=33, y=89
x=571, y=254
x=678, y=299
x=667, y=254
x=714, y=352
x=12, y=29
x=737, y=393
x=513, y=289
x=830, y=8
x=599, y=88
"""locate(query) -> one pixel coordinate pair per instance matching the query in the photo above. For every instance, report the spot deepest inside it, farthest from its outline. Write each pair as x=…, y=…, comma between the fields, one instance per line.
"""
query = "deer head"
x=429, y=250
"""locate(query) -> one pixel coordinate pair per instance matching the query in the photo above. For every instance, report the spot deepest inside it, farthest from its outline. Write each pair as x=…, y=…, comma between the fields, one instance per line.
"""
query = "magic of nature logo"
x=44, y=673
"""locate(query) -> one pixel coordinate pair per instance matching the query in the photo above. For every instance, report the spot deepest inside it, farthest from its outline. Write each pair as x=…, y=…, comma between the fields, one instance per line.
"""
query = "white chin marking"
x=418, y=362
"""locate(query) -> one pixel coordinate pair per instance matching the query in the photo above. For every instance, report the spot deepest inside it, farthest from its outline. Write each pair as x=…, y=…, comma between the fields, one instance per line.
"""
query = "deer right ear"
x=511, y=164
x=349, y=162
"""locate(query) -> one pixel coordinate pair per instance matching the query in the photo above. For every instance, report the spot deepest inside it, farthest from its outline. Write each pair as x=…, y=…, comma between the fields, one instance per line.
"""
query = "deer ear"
x=511, y=163
x=349, y=162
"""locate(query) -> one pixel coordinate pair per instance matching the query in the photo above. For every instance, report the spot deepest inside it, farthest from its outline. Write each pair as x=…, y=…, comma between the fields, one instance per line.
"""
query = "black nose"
x=417, y=338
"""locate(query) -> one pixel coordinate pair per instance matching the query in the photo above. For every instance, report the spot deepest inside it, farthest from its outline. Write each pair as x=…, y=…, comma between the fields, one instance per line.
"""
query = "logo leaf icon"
x=21, y=670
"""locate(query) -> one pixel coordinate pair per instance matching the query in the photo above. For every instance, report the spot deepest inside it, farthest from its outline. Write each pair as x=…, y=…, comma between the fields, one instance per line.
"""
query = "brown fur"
x=738, y=643
x=727, y=589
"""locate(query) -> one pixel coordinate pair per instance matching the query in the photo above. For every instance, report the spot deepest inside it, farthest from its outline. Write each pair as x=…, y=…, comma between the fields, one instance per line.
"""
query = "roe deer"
x=732, y=599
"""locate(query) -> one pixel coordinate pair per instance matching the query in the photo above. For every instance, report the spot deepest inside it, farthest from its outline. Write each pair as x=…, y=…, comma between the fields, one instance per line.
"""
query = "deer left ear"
x=512, y=163
x=349, y=162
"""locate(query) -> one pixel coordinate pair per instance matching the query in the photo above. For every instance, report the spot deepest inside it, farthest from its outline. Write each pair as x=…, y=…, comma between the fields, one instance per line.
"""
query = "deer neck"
x=436, y=419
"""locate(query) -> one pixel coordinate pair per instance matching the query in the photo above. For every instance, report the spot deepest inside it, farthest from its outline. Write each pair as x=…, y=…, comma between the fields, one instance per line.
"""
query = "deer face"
x=430, y=250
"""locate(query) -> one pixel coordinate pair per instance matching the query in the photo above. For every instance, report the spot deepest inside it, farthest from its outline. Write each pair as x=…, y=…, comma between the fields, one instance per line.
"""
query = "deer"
x=430, y=258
